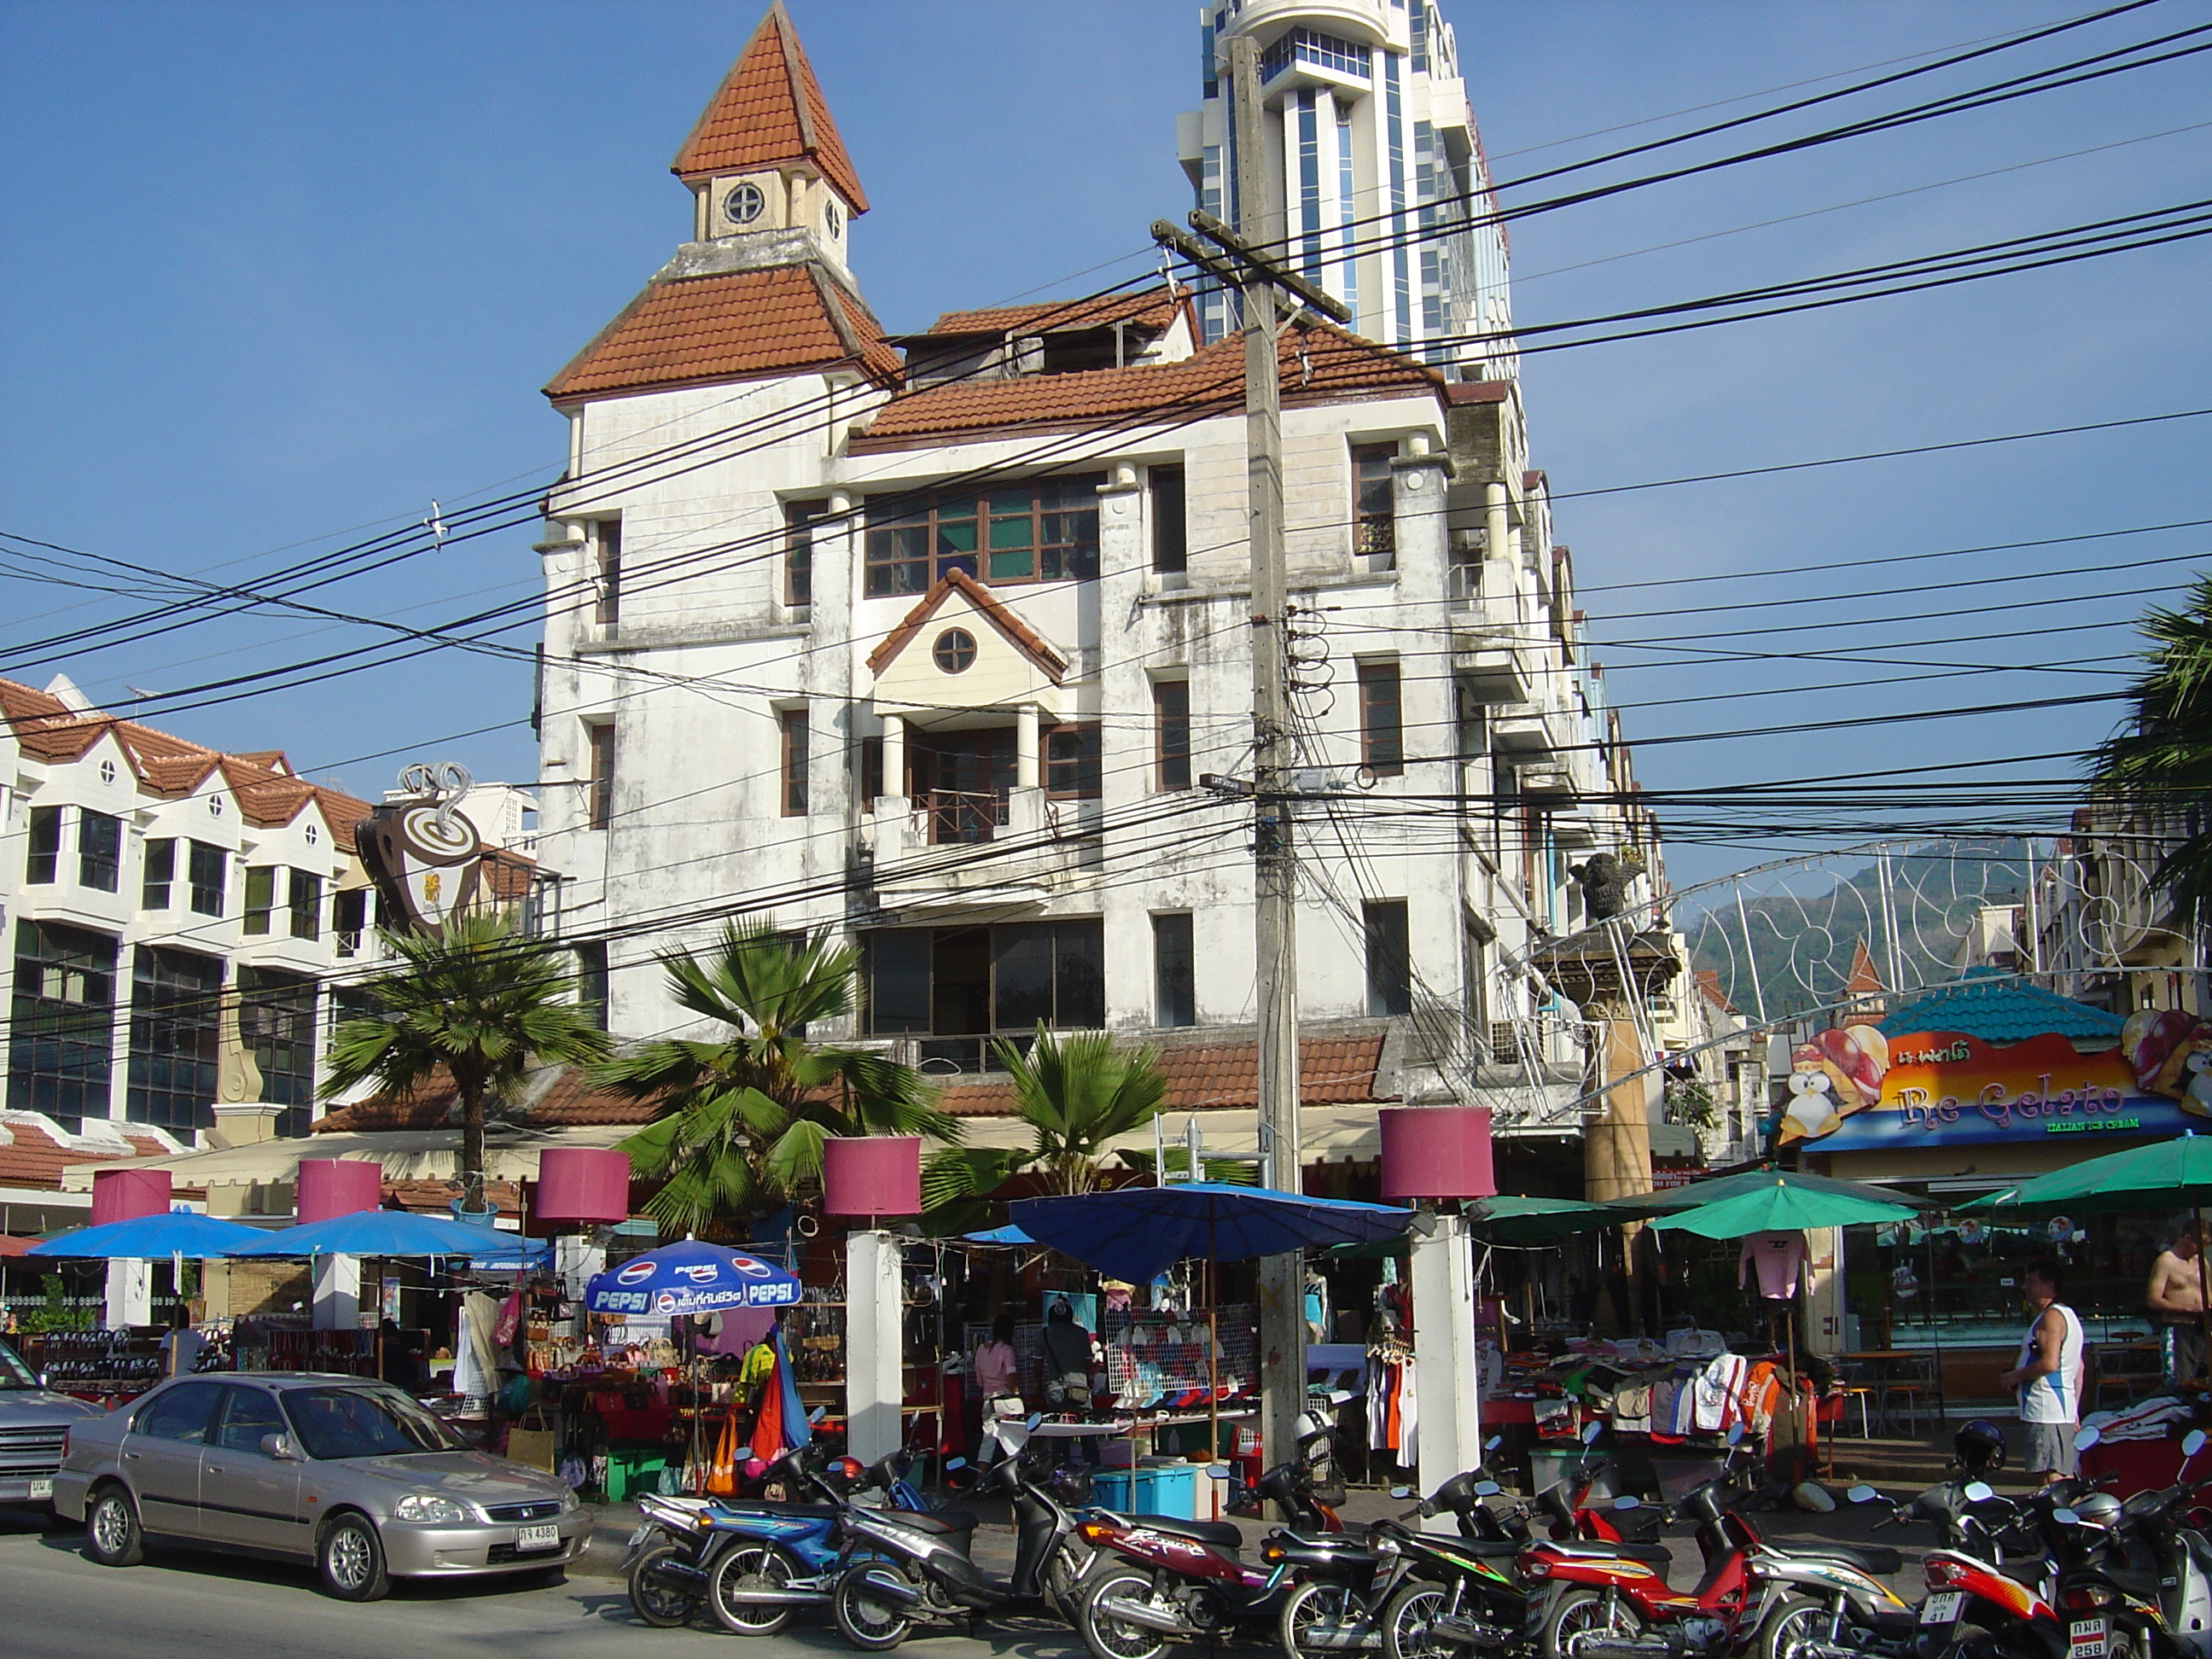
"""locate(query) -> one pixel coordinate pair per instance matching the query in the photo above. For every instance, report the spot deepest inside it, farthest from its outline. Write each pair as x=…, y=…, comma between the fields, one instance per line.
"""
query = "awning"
x=405, y=1155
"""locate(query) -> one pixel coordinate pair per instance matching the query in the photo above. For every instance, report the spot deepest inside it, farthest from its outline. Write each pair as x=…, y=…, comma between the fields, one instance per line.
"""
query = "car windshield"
x=14, y=1373
x=371, y=1422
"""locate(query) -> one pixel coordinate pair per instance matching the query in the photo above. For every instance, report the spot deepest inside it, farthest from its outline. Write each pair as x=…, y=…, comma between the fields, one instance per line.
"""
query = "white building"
x=1374, y=165
x=937, y=652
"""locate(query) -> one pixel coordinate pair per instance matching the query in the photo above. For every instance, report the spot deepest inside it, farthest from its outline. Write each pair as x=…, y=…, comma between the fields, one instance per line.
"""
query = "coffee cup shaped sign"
x=425, y=857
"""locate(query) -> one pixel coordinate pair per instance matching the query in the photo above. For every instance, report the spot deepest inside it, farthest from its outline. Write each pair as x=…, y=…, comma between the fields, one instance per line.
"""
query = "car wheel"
x=351, y=1560
x=111, y=1528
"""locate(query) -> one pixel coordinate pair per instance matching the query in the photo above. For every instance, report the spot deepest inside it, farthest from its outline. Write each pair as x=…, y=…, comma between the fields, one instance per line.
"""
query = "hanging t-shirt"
x=1778, y=1258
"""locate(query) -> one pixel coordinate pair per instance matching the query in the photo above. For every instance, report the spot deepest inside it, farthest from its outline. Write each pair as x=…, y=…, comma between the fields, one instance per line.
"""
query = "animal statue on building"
x=1604, y=881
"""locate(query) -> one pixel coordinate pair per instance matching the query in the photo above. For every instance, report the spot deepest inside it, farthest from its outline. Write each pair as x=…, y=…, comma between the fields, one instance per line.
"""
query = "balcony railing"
x=959, y=816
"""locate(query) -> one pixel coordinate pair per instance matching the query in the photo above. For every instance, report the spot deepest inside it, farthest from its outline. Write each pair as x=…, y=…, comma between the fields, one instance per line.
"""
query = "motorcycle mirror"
x=1036, y=1417
x=1736, y=1435
x=2086, y=1438
x=1861, y=1494
x=2066, y=1517
x=816, y=1414
x=1628, y=1501
x=1402, y=1492
x=2191, y=1444
x=952, y=1463
x=1487, y=1489
x=1980, y=1493
x=1590, y=1432
x=1493, y=1443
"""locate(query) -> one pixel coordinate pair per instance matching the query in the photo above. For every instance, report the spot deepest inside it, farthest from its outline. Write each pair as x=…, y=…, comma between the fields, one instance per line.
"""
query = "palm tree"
x=2162, y=757
x=1076, y=1093
x=746, y=1115
x=476, y=1000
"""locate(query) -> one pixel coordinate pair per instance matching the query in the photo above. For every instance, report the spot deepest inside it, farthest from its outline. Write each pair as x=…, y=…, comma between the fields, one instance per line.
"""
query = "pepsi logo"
x=635, y=1272
x=665, y=1302
x=750, y=1268
x=701, y=1272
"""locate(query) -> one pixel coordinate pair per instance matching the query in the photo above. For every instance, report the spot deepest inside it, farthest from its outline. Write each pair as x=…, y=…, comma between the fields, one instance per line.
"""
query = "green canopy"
x=1712, y=1188
x=2168, y=1174
x=1778, y=1206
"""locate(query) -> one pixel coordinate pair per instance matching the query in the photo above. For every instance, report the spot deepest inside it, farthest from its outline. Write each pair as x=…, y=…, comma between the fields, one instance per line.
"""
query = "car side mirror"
x=279, y=1447
x=2086, y=1438
x=1861, y=1494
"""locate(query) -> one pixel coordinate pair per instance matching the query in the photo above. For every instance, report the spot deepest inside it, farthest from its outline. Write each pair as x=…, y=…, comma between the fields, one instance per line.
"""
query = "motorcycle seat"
x=723, y=1515
x=1222, y=1533
x=2144, y=1586
x=945, y=1523
x=1878, y=1561
x=1602, y=1550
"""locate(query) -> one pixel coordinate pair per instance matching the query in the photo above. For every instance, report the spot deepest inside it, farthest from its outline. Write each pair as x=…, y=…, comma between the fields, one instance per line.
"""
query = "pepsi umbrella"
x=389, y=1233
x=1137, y=1233
x=689, y=1277
x=149, y=1237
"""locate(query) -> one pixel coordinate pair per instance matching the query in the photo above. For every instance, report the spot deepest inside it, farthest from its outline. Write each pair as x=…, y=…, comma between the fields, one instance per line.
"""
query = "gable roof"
x=734, y=326
x=1322, y=365
x=770, y=109
x=1018, y=633
x=1152, y=307
x=269, y=793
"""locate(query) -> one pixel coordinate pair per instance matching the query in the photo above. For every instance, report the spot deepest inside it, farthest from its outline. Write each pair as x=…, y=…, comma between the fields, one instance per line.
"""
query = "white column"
x=874, y=1388
x=1446, y=1375
x=130, y=1293
x=337, y=1293
x=1025, y=747
x=1501, y=572
x=894, y=755
x=576, y=1260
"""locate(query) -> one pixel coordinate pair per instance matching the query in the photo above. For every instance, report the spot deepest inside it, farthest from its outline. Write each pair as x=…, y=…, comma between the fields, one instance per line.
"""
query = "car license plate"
x=42, y=1486
x=1942, y=1607
x=548, y=1537
x=2085, y=1639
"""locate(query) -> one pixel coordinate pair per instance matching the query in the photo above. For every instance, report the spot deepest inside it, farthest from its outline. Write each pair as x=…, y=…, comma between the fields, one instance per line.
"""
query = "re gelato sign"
x=1942, y=1089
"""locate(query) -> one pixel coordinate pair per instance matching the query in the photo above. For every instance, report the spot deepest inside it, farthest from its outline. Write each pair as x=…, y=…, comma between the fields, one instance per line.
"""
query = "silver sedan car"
x=351, y=1474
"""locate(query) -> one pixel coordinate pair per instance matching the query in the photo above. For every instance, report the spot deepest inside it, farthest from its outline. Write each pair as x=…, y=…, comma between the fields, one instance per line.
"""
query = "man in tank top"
x=2048, y=1375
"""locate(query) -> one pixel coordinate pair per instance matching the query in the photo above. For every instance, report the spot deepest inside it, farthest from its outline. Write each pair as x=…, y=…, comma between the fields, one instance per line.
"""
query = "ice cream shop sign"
x=1942, y=1089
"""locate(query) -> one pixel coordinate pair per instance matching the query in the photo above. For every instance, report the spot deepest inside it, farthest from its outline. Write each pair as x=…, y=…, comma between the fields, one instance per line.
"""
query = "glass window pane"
x=1017, y=566
x=1079, y=974
x=1012, y=532
x=956, y=535
x=1021, y=972
x=1174, y=977
x=898, y=980
x=1017, y=500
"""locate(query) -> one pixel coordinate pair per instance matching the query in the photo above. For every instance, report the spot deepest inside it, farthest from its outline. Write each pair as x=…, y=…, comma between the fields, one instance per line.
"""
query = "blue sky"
x=278, y=272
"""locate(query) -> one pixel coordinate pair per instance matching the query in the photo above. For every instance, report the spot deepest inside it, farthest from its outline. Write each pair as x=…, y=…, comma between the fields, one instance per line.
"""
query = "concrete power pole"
x=1251, y=268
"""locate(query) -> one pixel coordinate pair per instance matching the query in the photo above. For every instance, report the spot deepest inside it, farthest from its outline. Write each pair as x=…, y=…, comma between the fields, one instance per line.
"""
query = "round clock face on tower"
x=744, y=204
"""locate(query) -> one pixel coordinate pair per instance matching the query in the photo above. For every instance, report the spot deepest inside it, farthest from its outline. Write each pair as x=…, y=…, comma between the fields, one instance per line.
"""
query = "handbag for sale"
x=531, y=1440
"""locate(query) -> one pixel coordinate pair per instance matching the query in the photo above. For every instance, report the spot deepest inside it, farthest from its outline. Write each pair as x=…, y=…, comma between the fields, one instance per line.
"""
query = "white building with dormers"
x=933, y=640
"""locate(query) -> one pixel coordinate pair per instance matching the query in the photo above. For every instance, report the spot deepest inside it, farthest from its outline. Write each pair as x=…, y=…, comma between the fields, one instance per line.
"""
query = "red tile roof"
x=33, y=1159
x=1319, y=366
x=1152, y=307
x=1480, y=391
x=770, y=110
x=568, y=1103
x=436, y=1197
x=267, y=791
x=1333, y=1071
x=1017, y=632
x=735, y=325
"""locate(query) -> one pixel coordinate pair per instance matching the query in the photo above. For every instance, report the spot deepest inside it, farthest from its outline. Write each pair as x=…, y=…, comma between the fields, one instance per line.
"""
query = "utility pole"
x=1250, y=266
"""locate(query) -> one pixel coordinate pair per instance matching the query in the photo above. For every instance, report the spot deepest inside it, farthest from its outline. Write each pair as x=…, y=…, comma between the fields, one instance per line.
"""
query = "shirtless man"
x=2176, y=1300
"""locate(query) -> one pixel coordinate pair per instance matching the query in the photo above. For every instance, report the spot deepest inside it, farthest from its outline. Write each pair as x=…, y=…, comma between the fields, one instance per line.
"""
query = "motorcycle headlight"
x=430, y=1509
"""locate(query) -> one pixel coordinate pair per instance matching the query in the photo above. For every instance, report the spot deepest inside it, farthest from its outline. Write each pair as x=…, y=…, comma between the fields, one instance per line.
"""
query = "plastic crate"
x=1171, y=1491
x=629, y=1472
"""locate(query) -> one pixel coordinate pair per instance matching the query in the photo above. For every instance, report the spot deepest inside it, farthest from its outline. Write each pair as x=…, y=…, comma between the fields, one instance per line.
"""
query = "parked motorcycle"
x=918, y=1566
x=1974, y=1609
x=2135, y=1578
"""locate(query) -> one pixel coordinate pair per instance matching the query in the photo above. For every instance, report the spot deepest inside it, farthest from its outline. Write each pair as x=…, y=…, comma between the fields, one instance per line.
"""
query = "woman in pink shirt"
x=996, y=1364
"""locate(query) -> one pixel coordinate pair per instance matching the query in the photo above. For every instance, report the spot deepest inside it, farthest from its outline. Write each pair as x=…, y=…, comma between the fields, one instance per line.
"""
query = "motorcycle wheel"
x=1585, y=1614
x=1064, y=1573
x=1109, y=1638
x=870, y=1625
x=750, y=1566
x=1796, y=1628
x=662, y=1605
x=1317, y=1602
x=1406, y=1621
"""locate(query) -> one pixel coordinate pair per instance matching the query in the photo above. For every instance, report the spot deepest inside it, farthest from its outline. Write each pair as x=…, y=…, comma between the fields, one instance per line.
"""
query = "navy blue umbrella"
x=1137, y=1233
x=689, y=1277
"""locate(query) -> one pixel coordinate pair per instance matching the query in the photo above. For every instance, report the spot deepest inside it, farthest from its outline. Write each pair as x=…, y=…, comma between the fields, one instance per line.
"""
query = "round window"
x=215, y=806
x=107, y=771
x=312, y=835
x=954, y=650
x=829, y=216
x=743, y=205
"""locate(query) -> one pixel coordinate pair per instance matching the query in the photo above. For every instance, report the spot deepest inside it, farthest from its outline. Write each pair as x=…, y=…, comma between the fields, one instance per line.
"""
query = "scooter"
x=920, y=1567
x=1973, y=1607
x=2135, y=1578
x=1185, y=1579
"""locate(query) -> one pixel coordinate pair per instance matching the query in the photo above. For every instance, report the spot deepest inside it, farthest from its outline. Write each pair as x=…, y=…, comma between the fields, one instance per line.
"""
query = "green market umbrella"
x=2167, y=1175
x=1778, y=1206
x=1699, y=1193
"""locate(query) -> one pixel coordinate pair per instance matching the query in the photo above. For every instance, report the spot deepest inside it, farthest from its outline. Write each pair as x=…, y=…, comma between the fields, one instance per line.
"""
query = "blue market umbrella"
x=391, y=1233
x=689, y=1277
x=150, y=1238
x=999, y=1235
x=1137, y=1233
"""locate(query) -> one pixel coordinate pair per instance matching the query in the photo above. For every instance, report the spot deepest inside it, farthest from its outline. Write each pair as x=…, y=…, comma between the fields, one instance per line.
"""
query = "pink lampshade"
x=126, y=1194
x=583, y=1183
x=332, y=1187
x=872, y=1175
x=1437, y=1152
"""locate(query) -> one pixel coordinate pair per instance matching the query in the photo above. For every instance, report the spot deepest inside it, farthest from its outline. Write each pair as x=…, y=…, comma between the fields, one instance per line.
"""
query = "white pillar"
x=130, y=1293
x=874, y=1388
x=1025, y=747
x=1501, y=575
x=1446, y=1373
x=894, y=755
x=576, y=1260
x=337, y=1293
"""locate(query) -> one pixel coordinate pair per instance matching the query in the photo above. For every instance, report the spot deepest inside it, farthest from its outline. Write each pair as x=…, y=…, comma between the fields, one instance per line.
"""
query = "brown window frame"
x=908, y=548
x=797, y=747
x=1171, y=735
x=599, y=779
x=1381, y=749
x=606, y=572
x=1076, y=736
x=799, y=521
x=1374, y=524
